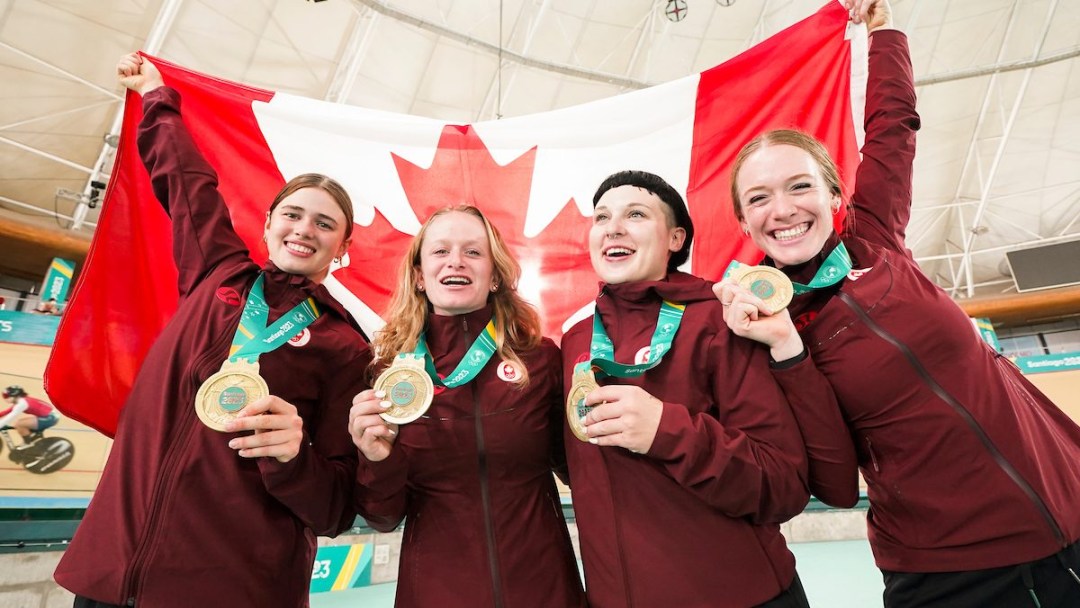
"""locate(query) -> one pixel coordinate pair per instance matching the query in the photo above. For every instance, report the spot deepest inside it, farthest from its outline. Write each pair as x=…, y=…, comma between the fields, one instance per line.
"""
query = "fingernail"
x=234, y=443
x=583, y=423
x=384, y=404
x=380, y=394
x=594, y=440
x=393, y=432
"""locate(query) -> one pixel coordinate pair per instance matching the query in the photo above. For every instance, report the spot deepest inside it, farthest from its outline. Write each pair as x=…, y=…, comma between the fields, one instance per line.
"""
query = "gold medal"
x=584, y=383
x=408, y=389
x=767, y=283
x=225, y=393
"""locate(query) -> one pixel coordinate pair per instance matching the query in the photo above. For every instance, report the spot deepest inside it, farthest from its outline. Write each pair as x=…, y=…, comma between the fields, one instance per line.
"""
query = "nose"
x=614, y=228
x=783, y=206
x=304, y=227
x=454, y=260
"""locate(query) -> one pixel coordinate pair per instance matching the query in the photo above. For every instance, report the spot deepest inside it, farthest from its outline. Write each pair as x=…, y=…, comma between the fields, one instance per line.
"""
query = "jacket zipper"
x=945, y=396
x=618, y=540
x=172, y=457
x=485, y=491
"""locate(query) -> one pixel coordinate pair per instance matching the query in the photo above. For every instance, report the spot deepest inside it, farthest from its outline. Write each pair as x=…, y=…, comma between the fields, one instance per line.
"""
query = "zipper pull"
x=873, y=457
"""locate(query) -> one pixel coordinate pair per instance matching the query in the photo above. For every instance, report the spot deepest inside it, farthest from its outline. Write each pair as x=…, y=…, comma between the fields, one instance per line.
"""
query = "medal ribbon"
x=833, y=270
x=254, y=336
x=603, y=351
x=474, y=360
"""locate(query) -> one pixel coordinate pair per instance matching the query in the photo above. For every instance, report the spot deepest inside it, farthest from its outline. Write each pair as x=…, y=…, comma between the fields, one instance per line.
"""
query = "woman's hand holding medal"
x=625, y=416
x=279, y=430
x=748, y=316
x=373, y=436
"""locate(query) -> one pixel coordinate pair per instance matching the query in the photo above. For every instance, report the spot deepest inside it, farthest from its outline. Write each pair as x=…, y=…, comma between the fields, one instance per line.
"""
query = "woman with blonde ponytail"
x=472, y=475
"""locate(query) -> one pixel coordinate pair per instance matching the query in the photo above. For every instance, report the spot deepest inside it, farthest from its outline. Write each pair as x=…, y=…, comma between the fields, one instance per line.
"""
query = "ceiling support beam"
x=467, y=40
x=44, y=154
x=154, y=39
x=972, y=233
x=344, y=79
x=59, y=70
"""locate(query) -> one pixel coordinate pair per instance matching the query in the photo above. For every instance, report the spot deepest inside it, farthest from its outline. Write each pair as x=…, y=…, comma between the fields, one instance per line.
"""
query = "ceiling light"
x=676, y=10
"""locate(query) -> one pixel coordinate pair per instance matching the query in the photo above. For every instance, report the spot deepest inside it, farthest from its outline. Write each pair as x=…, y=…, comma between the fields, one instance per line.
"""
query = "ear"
x=836, y=204
x=344, y=247
x=266, y=226
x=419, y=277
x=678, y=237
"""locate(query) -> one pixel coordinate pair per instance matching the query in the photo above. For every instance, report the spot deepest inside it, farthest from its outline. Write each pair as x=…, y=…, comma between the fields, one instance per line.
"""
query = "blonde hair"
x=517, y=324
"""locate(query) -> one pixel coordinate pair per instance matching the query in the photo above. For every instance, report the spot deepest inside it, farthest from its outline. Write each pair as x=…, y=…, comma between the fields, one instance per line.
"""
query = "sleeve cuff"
x=791, y=362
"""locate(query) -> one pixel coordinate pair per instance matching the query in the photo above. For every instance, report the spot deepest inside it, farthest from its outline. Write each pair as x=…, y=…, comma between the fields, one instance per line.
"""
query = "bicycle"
x=40, y=454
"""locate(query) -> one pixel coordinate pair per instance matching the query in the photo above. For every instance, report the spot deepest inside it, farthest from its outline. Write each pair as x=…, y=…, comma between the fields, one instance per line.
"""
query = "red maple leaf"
x=558, y=277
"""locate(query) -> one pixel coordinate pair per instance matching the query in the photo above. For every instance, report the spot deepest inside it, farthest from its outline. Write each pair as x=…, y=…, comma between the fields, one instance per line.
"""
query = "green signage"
x=26, y=328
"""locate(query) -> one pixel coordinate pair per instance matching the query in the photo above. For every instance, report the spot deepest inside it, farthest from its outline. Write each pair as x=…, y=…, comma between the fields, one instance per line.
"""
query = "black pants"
x=792, y=597
x=83, y=602
x=1045, y=583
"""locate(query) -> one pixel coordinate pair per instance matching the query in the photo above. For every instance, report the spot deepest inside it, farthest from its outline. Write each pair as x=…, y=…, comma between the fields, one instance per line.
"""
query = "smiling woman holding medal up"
x=467, y=465
x=973, y=475
x=686, y=459
x=231, y=452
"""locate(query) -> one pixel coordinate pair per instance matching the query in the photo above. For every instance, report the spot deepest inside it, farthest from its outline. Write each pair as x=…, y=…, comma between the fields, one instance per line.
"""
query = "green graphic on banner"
x=341, y=567
x=986, y=330
x=25, y=328
x=1048, y=363
x=58, y=280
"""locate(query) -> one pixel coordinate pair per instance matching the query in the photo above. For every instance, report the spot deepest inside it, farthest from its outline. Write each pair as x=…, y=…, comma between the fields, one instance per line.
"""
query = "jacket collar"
x=280, y=287
x=449, y=333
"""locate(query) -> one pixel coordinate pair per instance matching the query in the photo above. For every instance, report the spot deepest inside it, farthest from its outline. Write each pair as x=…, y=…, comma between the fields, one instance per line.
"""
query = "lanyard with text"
x=474, y=360
x=254, y=336
x=603, y=351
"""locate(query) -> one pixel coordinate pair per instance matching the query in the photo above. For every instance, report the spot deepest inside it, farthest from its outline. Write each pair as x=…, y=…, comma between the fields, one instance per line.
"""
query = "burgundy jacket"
x=473, y=480
x=178, y=519
x=968, y=465
x=695, y=521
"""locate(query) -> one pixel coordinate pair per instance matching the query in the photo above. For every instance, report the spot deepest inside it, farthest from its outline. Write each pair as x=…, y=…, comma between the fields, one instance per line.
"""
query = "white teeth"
x=618, y=251
x=791, y=233
x=456, y=281
x=299, y=248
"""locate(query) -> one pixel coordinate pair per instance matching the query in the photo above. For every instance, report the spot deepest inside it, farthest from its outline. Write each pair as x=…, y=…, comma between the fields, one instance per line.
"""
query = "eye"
x=439, y=251
x=802, y=186
x=292, y=215
x=600, y=217
x=636, y=213
x=473, y=252
x=324, y=225
x=756, y=199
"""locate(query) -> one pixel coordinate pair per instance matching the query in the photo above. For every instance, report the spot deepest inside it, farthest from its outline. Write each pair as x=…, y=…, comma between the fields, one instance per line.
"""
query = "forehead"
x=456, y=227
x=314, y=200
x=625, y=196
x=780, y=160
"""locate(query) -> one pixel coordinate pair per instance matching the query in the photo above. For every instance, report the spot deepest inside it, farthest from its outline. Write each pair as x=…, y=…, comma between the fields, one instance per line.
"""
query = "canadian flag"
x=534, y=176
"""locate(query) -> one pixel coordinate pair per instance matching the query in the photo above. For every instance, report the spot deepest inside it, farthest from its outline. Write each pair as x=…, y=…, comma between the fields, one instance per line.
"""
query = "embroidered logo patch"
x=300, y=339
x=507, y=372
x=642, y=356
x=804, y=320
x=228, y=295
x=856, y=273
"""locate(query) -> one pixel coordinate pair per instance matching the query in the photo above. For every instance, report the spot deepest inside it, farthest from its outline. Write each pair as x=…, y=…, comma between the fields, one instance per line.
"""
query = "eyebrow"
x=321, y=216
x=786, y=180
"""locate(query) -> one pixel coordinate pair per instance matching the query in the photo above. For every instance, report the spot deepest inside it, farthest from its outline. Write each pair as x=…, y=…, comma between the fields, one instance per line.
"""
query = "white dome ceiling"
x=998, y=165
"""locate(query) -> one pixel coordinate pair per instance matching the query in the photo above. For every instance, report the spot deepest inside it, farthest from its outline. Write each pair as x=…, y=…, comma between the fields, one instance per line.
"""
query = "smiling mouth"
x=616, y=253
x=788, y=234
x=455, y=281
x=298, y=248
